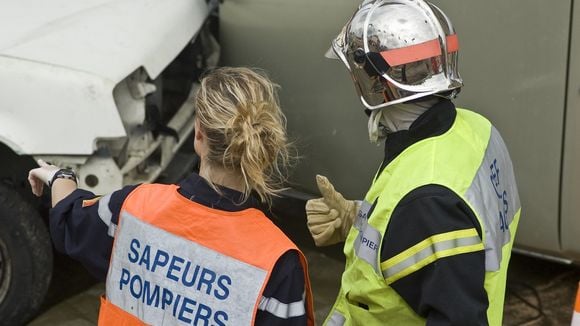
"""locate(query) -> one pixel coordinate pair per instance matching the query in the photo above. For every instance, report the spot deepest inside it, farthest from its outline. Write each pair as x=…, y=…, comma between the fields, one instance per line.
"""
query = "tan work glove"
x=329, y=218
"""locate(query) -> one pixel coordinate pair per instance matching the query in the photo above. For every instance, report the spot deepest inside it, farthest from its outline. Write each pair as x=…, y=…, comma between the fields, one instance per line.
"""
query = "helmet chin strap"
x=396, y=117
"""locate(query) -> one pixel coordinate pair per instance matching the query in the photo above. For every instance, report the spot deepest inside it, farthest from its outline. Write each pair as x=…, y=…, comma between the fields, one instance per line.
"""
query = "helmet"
x=399, y=50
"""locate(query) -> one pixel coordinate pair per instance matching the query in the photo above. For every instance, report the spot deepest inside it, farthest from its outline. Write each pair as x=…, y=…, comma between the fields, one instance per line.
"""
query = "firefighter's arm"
x=82, y=225
x=433, y=257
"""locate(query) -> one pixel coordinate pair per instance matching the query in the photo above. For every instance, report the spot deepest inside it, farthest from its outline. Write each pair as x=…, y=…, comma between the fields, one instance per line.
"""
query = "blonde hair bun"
x=238, y=110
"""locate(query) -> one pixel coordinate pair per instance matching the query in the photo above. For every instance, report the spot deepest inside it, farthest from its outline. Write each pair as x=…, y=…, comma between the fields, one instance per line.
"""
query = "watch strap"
x=63, y=174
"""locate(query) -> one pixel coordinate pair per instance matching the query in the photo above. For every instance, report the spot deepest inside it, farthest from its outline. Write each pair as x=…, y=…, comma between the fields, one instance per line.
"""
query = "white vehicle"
x=100, y=86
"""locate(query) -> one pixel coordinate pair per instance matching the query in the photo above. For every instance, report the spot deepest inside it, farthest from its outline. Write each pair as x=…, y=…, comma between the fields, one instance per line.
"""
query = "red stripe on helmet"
x=452, y=43
x=418, y=52
x=412, y=53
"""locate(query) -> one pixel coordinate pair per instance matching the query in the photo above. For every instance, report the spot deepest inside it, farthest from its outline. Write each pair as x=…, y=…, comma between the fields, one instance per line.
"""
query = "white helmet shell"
x=399, y=50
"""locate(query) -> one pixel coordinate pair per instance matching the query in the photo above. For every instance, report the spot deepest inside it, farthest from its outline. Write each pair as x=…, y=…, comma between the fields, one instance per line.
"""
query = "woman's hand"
x=40, y=176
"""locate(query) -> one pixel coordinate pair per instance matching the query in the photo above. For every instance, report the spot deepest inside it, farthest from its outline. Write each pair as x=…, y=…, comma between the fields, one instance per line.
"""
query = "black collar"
x=197, y=189
x=433, y=122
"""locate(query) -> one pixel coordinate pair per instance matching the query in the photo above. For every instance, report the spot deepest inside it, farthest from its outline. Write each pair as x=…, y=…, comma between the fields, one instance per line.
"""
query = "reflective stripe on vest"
x=428, y=251
x=494, y=197
x=335, y=319
x=368, y=239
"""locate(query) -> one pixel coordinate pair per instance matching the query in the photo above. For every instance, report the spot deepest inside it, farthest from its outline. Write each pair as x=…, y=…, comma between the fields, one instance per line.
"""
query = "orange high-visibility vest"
x=175, y=261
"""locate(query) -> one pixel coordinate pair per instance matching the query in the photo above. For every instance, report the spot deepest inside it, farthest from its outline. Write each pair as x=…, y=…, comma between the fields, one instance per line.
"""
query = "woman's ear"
x=198, y=134
x=198, y=140
x=197, y=128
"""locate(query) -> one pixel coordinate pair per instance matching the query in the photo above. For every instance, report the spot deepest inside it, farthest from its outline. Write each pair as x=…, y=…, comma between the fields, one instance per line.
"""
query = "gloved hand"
x=40, y=176
x=329, y=218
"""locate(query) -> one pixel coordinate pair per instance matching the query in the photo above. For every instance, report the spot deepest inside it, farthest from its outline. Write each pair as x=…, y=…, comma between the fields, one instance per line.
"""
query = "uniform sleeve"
x=82, y=226
x=432, y=256
x=283, y=302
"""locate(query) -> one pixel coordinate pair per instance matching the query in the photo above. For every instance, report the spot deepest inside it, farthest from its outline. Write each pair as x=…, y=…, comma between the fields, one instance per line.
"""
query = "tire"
x=25, y=259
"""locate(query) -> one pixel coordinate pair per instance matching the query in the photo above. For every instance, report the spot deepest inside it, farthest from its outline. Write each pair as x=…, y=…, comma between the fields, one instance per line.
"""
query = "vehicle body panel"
x=64, y=58
x=106, y=38
x=54, y=102
x=513, y=59
x=571, y=167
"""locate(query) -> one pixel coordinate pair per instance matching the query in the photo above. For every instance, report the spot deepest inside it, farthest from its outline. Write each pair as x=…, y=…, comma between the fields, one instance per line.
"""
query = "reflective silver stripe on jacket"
x=493, y=194
x=432, y=250
x=366, y=245
x=282, y=310
x=164, y=279
x=336, y=319
x=106, y=215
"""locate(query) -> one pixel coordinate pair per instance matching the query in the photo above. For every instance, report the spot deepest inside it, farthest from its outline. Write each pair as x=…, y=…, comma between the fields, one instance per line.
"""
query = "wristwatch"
x=63, y=174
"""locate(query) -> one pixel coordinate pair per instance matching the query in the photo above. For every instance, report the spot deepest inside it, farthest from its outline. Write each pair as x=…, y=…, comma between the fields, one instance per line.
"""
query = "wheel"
x=25, y=259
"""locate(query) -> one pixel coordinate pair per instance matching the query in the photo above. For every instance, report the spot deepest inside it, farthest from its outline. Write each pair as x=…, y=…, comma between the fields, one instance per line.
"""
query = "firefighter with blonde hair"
x=200, y=252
